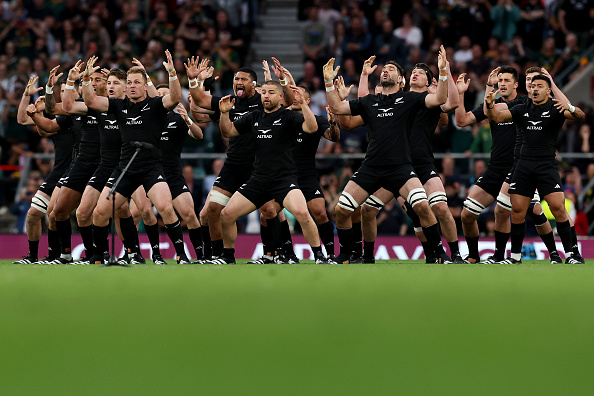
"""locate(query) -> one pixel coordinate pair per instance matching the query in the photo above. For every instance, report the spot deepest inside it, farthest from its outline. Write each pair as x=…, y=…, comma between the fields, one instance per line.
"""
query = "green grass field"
x=390, y=328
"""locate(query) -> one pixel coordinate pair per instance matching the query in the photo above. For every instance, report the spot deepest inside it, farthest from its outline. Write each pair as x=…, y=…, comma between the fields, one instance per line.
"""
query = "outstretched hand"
x=226, y=104
x=493, y=79
x=368, y=69
x=75, y=73
x=561, y=106
x=30, y=90
x=52, y=79
x=490, y=97
x=169, y=66
x=329, y=71
x=91, y=68
x=461, y=84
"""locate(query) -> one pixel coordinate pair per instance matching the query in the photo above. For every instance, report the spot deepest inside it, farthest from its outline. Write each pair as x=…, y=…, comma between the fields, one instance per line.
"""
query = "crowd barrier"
x=250, y=246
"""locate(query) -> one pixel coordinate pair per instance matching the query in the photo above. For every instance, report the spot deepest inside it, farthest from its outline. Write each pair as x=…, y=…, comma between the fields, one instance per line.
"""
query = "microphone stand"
x=112, y=258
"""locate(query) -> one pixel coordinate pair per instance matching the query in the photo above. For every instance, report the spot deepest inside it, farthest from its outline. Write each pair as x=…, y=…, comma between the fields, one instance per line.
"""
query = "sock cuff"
x=172, y=225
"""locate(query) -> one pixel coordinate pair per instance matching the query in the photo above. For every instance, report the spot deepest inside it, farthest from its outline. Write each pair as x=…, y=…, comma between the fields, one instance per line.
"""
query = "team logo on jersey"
x=277, y=122
x=238, y=115
x=374, y=105
x=77, y=118
x=512, y=186
x=526, y=115
x=253, y=106
x=104, y=114
x=386, y=112
x=133, y=121
x=557, y=186
x=171, y=125
x=264, y=130
x=534, y=125
x=160, y=177
x=292, y=185
x=163, y=137
x=399, y=101
x=125, y=111
x=146, y=107
x=112, y=124
x=545, y=114
x=535, y=122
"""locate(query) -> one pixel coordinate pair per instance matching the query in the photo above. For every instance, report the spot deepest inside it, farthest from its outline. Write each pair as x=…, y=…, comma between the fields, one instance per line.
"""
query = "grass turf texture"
x=407, y=328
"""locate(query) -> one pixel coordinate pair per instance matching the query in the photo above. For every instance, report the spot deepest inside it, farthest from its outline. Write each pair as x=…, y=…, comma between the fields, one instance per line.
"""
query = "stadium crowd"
x=478, y=35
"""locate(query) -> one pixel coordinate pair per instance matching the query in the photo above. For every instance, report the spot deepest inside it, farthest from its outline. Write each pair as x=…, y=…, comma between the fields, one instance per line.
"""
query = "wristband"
x=193, y=83
x=283, y=82
x=68, y=86
x=445, y=68
x=49, y=90
x=86, y=83
x=329, y=81
x=330, y=89
x=443, y=78
x=70, y=81
x=571, y=108
x=172, y=78
x=491, y=85
x=189, y=122
x=201, y=84
x=149, y=83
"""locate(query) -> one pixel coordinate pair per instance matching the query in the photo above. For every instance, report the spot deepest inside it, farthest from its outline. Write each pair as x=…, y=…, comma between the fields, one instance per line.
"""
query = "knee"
x=342, y=213
x=214, y=210
x=368, y=213
x=422, y=209
x=468, y=217
x=227, y=217
x=320, y=215
x=268, y=212
x=33, y=213
x=501, y=212
x=302, y=216
x=83, y=215
x=441, y=210
x=100, y=214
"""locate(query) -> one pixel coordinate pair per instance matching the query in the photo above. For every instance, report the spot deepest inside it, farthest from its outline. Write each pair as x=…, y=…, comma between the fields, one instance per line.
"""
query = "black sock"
x=217, y=248
x=345, y=240
x=574, y=246
x=286, y=237
x=275, y=234
x=357, y=240
x=101, y=244
x=429, y=253
x=228, y=254
x=501, y=239
x=65, y=234
x=177, y=237
x=549, y=241
x=86, y=234
x=564, y=231
x=472, y=243
x=518, y=231
x=152, y=231
x=130, y=234
x=267, y=246
x=326, y=231
x=453, y=248
x=317, y=252
x=53, y=244
x=206, y=241
x=196, y=239
x=439, y=250
x=434, y=238
x=369, y=249
x=33, y=249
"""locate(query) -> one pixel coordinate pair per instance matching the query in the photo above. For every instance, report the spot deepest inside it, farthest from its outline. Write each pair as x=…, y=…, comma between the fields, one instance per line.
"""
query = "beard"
x=387, y=83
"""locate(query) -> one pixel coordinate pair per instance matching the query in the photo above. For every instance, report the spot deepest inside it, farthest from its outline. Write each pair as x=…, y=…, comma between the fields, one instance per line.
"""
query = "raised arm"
x=364, y=79
x=266, y=69
x=171, y=100
x=496, y=113
x=44, y=123
x=337, y=106
x=30, y=90
x=227, y=128
x=441, y=96
x=346, y=122
x=310, y=124
x=69, y=104
x=453, y=97
x=332, y=133
x=463, y=118
x=569, y=111
x=196, y=76
x=279, y=72
x=193, y=129
x=151, y=90
x=50, y=100
x=92, y=101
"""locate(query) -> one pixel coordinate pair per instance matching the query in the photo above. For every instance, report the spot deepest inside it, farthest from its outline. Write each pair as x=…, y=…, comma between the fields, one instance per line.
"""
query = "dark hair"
x=305, y=90
x=533, y=69
x=117, y=73
x=428, y=72
x=400, y=69
x=162, y=86
x=510, y=70
x=543, y=78
x=275, y=83
x=249, y=71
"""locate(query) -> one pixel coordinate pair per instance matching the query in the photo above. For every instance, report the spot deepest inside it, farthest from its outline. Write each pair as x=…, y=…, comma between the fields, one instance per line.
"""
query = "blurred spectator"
x=576, y=16
x=209, y=180
x=412, y=35
x=95, y=39
x=388, y=46
x=571, y=53
x=336, y=40
x=479, y=168
x=314, y=43
x=392, y=220
x=226, y=62
x=548, y=54
x=162, y=27
x=478, y=63
x=357, y=42
x=533, y=21
x=327, y=15
x=464, y=52
x=505, y=16
x=21, y=207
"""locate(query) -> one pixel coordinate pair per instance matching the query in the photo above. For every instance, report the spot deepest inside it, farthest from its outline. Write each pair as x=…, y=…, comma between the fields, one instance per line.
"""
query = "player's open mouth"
x=266, y=102
x=535, y=95
x=240, y=91
x=111, y=91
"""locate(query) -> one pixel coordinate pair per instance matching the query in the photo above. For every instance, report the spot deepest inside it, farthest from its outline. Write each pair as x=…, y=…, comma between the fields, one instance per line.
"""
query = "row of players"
x=261, y=169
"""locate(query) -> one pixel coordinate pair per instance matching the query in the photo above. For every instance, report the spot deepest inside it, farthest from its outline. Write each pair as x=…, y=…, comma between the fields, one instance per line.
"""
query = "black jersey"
x=139, y=122
x=421, y=136
x=173, y=137
x=389, y=119
x=540, y=126
x=64, y=142
x=274, y=137
x=111, y=139
x=90, y=143
x=77, y=133
x=304, y=153
x=502, y=133
x=241, y=148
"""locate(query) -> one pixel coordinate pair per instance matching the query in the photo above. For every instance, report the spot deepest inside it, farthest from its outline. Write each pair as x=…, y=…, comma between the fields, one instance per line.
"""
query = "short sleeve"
x=516, y=111
x=358, y=106
x=323, y=124
x=479, y=113
x=214, y=106
x=244, y=123
x=115, y=105
x=296, y=120
x=64, y=122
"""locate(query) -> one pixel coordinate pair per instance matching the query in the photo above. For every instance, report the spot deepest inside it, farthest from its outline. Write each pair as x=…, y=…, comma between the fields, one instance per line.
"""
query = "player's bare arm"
x=346, y=122
x=463, y=118
x=30, y=90
x=174, y=96
x=50, y=100
x=367, y=70
x=151, y=89
x=309, y=123
x=44, y=123
x=279, y=72
x=494, y=113
x=92, y=100
x=194, y=130
x=197, y=73
x=227, y=128
x=69, y=104
x=337, y=106
x=441, y=96
x=332, y=133
x=453, y=98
